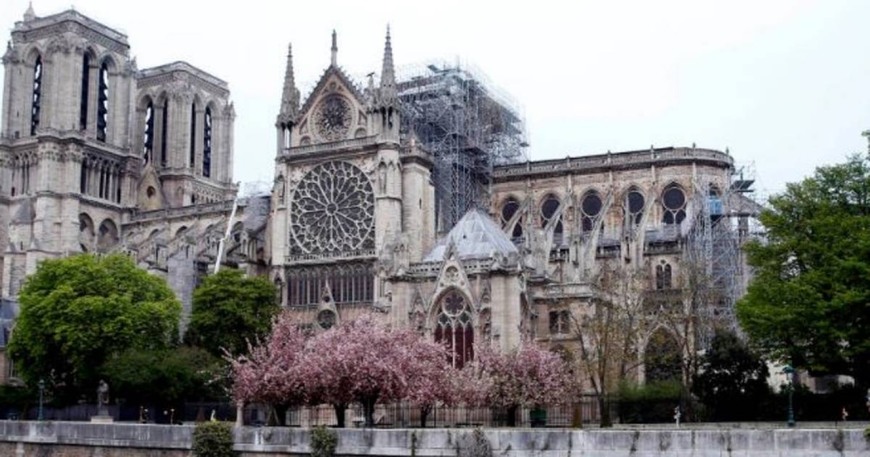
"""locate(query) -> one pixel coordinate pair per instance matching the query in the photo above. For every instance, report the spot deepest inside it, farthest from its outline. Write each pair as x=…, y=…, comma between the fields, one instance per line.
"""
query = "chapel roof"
x=475, y=236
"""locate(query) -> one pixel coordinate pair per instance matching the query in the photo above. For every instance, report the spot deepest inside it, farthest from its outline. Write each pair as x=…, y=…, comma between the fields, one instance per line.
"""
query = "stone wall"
x=73, y=439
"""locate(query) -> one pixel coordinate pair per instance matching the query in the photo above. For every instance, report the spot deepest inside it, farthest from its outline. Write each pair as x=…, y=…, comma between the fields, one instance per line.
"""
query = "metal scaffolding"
x=721, y=225
x=468, y=126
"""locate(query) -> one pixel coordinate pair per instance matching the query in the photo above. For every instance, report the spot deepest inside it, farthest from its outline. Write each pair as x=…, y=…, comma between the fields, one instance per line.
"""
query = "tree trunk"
x=604, y=412
x=512, y=416
x=424, y=414
x=339, y=414
x=278, y=416
x=369, y=411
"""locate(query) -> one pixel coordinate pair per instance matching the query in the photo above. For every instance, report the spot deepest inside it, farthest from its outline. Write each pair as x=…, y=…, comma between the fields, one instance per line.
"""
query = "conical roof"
x=475, y=236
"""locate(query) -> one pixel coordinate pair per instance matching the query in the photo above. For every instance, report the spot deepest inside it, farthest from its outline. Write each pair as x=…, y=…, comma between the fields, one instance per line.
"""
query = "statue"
x=102, y=404
x=102, y=394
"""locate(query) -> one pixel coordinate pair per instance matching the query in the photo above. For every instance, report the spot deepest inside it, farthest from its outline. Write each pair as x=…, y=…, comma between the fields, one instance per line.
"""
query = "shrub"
x=650, y=403
x=213, y=439
x=323, y=442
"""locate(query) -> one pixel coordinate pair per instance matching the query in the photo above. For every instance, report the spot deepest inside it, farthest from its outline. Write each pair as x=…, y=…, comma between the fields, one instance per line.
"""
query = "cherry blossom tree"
x=364, y=360
x=271, y=372
x=526, y=377
x=431, y=377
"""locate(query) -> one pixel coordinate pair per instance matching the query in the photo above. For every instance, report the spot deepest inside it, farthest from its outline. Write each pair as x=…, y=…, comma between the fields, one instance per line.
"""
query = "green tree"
x=732, y=381
x=165, y=377
x=809, y=302
x=230, y=309
x=78, y=311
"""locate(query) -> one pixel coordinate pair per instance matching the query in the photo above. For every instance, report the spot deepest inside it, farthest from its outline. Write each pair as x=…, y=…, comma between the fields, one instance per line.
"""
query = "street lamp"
x=789, y=371
x=41, y=385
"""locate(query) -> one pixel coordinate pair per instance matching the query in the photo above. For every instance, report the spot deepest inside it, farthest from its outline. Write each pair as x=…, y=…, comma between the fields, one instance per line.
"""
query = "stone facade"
x=98, y=156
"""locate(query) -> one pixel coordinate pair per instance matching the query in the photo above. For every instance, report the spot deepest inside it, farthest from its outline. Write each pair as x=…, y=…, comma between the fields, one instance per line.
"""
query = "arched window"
x=663, y=276
x=206, y=144
x=279, y=292
x=634, y=204
x=192, y=135
x=662, y=360
x=673, y=205
x=86, y=89
x=37, y=95
x=148, y=142
x=508, y=210
x=453, y=328
x=164, y=132
x=590, y=209
x=103, y=103
x=549, y=209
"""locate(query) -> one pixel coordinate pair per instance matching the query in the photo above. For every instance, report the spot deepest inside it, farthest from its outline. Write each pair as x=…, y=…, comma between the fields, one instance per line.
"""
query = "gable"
x=335, y=111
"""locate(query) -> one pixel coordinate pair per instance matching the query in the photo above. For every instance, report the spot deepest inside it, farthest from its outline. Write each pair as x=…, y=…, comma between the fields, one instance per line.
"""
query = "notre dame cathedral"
x=410, y=195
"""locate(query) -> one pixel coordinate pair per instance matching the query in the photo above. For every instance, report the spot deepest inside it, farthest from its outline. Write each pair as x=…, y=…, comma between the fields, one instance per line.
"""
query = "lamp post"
x=41, y=385
x=789, y=371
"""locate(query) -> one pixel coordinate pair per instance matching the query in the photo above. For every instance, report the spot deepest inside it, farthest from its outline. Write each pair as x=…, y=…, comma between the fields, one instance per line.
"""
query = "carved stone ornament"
x=333, y=118
x=332, y=210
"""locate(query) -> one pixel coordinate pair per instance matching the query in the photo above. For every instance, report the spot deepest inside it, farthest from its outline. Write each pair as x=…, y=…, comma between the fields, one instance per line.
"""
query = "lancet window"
x=86, y=88
x=206, y=143
x=103, y=103
x=590, y=209
x=349, y=283
x=453, y=328
x=192, y=160
x=37, y=95
x=673, y=205
x=549, y=217
x=148, y=142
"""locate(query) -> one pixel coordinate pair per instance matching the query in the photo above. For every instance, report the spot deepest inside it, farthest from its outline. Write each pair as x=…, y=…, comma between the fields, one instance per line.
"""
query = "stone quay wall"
x=77, y=439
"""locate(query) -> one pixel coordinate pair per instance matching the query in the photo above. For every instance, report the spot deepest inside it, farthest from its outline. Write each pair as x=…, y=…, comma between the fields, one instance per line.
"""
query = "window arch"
x=453, y=327
x=148, y=134
x=673, y=204
x=85, y=90
x=662, y=360
x=37, y=95
x=508, y=211
x=549, y=211
x=164, y=131
x=590, y=210
x=663, y=276
x=86, y=232
x=206, y=143
x=103, y=102
x=634, y=205
x=107, y=237
x=192, y=158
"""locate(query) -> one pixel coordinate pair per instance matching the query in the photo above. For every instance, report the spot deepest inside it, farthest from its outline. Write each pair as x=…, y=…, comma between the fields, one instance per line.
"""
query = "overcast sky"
x=785, y=84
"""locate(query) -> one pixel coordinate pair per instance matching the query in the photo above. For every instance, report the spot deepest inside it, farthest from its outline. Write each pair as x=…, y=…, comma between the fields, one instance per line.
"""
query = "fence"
x=391, y=415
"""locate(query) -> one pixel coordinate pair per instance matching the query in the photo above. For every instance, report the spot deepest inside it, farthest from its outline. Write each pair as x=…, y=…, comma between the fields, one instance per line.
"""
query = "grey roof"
x=475, y=236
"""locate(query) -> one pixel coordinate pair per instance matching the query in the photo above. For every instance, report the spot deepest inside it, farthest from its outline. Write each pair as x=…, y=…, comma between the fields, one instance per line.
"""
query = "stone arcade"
x=99, y=156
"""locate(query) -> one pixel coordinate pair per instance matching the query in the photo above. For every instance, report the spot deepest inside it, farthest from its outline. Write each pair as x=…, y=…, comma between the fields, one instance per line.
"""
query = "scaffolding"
x=467, y=124
x=720, y=227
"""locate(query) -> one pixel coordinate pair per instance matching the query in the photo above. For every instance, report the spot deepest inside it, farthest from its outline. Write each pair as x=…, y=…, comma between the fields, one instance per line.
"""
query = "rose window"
x=332, y=211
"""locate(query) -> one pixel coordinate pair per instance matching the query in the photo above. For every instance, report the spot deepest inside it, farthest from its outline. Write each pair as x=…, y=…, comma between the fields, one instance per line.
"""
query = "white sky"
x=785, y=84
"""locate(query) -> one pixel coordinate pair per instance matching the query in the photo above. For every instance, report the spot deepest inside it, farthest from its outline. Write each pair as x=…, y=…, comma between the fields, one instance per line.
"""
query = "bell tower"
x=66, y=174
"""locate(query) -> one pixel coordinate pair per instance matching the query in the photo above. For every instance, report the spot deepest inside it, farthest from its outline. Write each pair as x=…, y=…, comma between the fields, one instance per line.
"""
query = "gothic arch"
x=662, y=358
x=107, y=237
x=592, y=209
x=453, y=324
x=674, y=203
x=86, y=233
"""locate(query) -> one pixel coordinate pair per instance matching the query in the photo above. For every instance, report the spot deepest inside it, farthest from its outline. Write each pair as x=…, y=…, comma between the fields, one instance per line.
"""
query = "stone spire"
x=334, y=59
x=290, y=95
x=29, y=15
x=388, y=95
